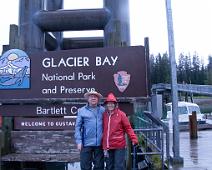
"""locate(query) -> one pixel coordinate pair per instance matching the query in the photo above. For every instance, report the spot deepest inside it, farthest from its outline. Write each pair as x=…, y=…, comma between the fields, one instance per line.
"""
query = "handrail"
x=156, y=120
x=154, y=133
x=192, y=88
x=140, y=118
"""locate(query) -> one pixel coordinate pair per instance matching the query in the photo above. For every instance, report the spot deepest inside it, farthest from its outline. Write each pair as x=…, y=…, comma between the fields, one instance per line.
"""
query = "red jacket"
x=114, y=128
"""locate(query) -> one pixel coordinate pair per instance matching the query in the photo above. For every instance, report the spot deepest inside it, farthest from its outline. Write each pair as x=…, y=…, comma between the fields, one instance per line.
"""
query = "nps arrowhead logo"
x=122, y=80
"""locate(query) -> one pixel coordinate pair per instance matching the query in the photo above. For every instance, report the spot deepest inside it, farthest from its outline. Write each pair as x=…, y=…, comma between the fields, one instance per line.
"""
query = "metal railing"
x=153, y=136
x=191, y=88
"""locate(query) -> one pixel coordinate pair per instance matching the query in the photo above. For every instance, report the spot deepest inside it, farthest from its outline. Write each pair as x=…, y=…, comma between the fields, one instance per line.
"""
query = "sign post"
x=176, y=140
x=67, y=74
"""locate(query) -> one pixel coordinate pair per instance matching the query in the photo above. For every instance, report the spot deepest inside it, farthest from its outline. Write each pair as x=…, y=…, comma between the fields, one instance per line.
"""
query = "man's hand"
x=79, y=147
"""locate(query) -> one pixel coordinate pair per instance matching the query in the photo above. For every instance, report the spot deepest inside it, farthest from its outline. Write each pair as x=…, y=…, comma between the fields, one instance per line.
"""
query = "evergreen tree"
x=180, y=69
x=203, y=74
x=209, y=69
x=160, y=69
x=195, y=70
x=189, y=71
x=184, y=69
x=152, y=69
x=165, y=69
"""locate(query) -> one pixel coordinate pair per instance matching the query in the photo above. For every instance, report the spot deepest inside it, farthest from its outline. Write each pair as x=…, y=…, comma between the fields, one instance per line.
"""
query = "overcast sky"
x=192, y=20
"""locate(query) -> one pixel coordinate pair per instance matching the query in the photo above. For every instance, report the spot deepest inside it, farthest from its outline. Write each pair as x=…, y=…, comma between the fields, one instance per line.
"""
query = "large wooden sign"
x=71, y=73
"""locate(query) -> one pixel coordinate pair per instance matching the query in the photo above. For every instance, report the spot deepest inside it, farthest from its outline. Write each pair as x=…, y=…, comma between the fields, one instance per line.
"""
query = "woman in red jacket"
x=115, y=125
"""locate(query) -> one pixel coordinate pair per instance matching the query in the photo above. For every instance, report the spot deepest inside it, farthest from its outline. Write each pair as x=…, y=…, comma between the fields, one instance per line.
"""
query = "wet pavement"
x=197, y=153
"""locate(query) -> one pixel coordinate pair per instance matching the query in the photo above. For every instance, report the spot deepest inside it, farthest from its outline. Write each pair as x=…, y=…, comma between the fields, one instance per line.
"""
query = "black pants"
x=116, y=160
x=89, y=155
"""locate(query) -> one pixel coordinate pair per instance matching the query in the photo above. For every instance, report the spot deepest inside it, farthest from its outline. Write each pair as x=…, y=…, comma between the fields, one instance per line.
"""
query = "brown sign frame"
x=98, y=67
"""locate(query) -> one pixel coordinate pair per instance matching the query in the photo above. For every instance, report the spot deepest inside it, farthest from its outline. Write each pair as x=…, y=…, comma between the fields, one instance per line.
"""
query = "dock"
x=205, y=126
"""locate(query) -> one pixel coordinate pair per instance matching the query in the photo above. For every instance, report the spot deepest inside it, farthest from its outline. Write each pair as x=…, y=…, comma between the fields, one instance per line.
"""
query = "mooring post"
x=193, y=125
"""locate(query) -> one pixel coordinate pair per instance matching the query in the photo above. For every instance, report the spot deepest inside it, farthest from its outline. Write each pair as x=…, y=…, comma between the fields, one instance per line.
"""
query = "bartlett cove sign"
x=71, y=73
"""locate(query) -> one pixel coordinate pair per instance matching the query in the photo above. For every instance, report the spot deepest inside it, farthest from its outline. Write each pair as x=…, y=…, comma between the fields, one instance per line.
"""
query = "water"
x=197, y=153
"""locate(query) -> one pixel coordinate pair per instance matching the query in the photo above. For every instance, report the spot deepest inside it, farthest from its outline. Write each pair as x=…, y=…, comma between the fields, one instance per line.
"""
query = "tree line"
x=190, y=69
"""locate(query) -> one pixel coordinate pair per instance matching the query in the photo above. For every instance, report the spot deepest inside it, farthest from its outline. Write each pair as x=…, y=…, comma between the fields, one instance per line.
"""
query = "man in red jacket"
x=115, y=125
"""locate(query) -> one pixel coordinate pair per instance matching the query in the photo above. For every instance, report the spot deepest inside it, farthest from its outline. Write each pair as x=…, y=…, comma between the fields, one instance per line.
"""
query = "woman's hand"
x=79, y=147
